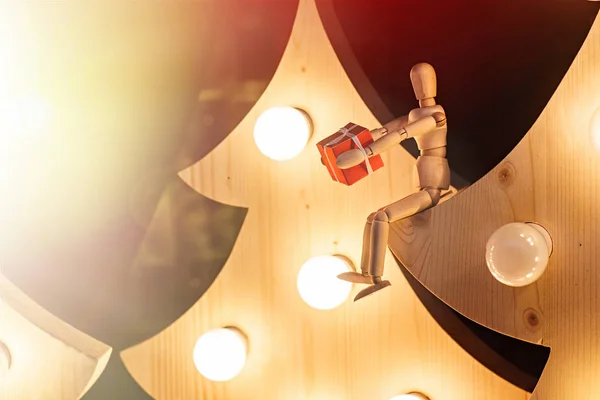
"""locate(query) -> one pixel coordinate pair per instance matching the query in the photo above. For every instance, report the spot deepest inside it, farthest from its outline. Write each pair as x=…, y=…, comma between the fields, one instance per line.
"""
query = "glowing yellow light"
x=23, y=112
x=220, y=354
x=18, y=52
x=26, y=116
x=318, y=284
x=281, y=133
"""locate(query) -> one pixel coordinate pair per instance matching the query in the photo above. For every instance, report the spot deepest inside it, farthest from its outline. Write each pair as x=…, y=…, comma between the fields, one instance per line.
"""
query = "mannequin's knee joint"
x=435, y=195
x=371, y=217
x=381, y=216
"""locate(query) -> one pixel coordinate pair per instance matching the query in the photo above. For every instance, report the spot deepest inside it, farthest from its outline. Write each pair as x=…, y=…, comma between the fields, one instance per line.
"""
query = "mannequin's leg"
x=379, y=234
x=380, y=230
x=363, y=276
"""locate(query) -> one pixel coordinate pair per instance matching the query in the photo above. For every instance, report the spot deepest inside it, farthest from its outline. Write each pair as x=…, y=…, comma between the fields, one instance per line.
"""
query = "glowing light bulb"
x=595, y=129
x=220, y=354
x=410, y=396
x=318, y=284
x=281, y=133
x=5, y=360
x=517, y=253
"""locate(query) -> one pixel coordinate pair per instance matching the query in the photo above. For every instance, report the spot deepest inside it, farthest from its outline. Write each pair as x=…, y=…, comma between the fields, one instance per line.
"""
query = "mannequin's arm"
x=392, y=138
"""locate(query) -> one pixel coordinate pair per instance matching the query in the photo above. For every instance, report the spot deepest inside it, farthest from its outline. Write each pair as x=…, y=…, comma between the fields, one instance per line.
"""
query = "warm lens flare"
x=23, y=117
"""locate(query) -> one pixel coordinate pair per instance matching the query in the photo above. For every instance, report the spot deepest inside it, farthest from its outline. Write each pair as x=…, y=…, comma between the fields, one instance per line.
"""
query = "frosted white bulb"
x=410, y=396
x=220, y=354
x=517, y=253
x=281, y=133
x=5, y=360
x=318, y=284
x=595, y=129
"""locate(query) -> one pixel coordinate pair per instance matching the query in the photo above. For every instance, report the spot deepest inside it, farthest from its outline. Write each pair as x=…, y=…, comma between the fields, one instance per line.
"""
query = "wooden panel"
x=518, y=361
x=445, y=249
x=374, y=349
x=551, y=177
x=491, y=56
x=50, y=359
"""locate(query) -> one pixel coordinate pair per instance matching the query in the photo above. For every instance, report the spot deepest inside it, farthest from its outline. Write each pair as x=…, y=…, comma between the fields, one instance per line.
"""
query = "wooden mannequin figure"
x=427, y=125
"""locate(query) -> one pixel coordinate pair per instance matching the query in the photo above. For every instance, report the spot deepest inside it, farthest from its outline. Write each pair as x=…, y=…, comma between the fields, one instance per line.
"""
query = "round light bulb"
x=318, y=284
x=281, y=133
x=5, y=360
x=410, y=396
x=220, y=354
x=517, y=253
x=595, y=129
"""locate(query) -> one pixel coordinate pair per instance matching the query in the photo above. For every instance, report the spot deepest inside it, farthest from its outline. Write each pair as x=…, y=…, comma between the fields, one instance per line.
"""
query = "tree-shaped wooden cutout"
x=42, y=357
x=97, y=227
x=295, y=211
x=551, y=178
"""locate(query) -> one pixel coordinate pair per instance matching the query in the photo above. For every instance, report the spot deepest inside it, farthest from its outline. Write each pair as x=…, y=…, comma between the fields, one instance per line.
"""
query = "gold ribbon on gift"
x=346, y=133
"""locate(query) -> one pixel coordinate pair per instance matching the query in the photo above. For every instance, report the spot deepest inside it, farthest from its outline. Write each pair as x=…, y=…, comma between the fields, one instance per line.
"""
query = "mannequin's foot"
x=355, y=277
x=372, y=289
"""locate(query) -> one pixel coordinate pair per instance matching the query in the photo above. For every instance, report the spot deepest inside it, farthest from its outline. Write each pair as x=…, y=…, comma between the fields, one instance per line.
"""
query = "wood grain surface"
x=374, y=349
x=50, y=359
x=445, y=249
x=502, y=57
x=551, y=177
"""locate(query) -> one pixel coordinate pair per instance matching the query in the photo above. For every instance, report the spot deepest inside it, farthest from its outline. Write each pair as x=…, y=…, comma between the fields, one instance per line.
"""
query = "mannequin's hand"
x=350, y=158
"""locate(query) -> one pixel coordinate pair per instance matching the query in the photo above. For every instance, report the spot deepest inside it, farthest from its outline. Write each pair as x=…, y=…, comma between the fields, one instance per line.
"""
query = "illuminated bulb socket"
x=517, y=254
x=281, y=133
x=5, y=360
x=220, y=354
x=545, y=234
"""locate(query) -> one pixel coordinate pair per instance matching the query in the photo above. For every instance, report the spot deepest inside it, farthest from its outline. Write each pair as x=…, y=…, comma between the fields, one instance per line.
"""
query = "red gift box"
x=347, y=138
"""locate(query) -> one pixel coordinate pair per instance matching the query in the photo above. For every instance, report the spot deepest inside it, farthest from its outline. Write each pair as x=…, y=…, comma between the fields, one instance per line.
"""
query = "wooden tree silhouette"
x=296, y=211
x=105, y=235
x=498, y=61
x=494, y=60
